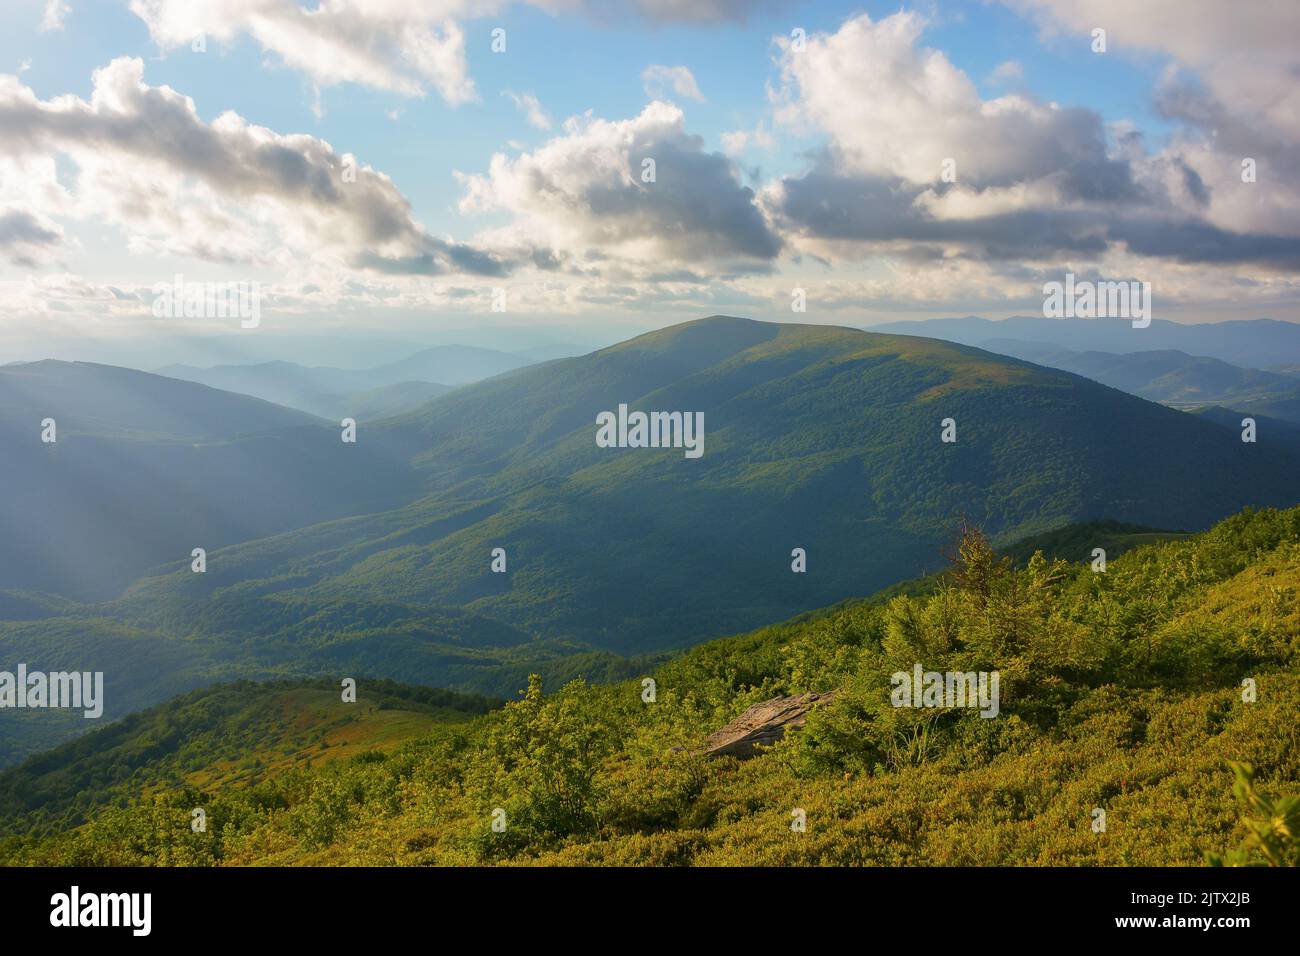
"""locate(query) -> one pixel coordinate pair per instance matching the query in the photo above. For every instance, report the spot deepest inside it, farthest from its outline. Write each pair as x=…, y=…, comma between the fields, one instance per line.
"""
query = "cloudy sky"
x=383, y=167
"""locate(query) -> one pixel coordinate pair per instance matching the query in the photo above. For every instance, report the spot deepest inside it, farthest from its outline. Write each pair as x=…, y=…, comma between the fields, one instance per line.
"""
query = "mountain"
x=545, y=353
x=387, y=400
x=449, y=364
x=1283, y=406
x=1167, y=376
x=817, y=438
x=316, y=390
x=1208, y=387
x=1120, y=691
x=102, y=400
x=376, y=392
x=1256, y=343
x=820, y=438
x=1281, y=431
x=145, y=468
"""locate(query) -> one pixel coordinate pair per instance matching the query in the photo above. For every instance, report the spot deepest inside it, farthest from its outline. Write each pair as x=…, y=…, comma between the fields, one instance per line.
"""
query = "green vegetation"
x=821, y=438
x=217, y=738
x=1121, y=691
x=1076, y=542
x=1273, y=826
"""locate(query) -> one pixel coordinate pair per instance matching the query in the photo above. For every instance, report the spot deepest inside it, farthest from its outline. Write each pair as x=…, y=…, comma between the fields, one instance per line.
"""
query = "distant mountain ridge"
x=1168, y=376
x=106, y=400
x=1254, y=343
x=143, y=469
x=331, y=392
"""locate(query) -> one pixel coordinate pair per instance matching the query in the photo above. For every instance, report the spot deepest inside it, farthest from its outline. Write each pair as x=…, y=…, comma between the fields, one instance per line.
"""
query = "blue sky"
x=1109, y=156
x=570, y=64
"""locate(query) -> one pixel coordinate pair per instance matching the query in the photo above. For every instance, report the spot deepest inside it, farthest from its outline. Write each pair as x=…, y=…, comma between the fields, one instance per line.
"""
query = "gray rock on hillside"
x=762, y=724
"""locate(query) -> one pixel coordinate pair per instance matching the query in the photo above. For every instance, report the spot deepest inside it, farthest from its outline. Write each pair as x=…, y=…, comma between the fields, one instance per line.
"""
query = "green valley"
x=1127, y=692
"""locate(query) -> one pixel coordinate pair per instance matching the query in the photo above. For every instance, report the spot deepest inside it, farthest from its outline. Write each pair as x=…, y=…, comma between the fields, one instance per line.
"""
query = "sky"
x=398, y=172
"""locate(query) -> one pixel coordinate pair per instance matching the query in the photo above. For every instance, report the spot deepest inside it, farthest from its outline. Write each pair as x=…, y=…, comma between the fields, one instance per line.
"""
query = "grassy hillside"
x=456, y=648
x=1075, y=542
x=1119, y=691
x=218, y=739
x=143, y=666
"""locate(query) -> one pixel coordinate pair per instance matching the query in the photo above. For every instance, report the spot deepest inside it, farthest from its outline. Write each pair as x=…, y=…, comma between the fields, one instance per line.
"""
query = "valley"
x=376, y=557
x=1120, y=693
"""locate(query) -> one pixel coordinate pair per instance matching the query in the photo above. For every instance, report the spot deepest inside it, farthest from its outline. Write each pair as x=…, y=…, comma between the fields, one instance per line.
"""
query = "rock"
x=763, y=723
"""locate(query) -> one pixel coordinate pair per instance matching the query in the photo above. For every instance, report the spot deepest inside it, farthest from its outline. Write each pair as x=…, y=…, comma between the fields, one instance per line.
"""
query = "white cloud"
x=892, y=107
x=659, y=80
x=403, y=46
x=1007, y=71
x=737, y=141
x=26, y=237
x=52, y=17
x=1030, y=180
x=30, y=199
x=225, y=191
x=397, y=45
x=529, y=105
x=1038, y=183
x=585, y=192
x=666, y=11
x=1246, y=54
x=1240, y=100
